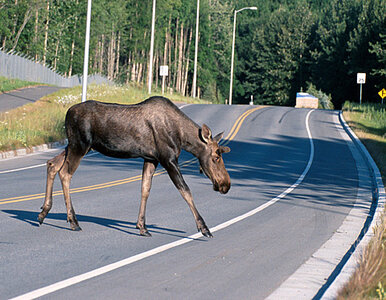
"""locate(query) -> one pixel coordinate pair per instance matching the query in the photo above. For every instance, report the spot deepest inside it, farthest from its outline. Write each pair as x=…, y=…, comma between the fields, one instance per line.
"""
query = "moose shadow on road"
x=30, y=217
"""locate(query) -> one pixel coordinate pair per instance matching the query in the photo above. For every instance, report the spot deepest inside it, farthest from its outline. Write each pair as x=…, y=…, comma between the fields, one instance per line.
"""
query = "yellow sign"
x=382, y=93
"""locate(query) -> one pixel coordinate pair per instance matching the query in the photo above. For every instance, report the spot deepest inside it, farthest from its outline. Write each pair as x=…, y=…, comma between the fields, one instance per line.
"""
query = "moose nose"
x=223, y=188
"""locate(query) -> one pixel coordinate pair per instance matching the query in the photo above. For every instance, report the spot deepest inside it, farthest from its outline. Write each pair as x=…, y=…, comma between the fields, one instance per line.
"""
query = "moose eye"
x=216, y=159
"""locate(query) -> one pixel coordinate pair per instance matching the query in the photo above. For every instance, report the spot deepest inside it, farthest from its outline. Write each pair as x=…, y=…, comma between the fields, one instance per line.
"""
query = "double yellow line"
x=233, y=132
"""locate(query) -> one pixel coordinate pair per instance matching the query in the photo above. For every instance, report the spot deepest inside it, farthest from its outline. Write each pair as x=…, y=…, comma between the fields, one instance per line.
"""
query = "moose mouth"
x=223, y=189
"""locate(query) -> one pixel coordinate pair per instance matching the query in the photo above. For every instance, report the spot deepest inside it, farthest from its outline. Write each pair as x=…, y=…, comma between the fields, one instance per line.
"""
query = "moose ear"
x=224, y=149
x=206, y=133
x=218, y=137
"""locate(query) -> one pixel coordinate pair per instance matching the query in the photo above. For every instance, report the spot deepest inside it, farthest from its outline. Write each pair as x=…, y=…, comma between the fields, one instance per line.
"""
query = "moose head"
x=211, y=161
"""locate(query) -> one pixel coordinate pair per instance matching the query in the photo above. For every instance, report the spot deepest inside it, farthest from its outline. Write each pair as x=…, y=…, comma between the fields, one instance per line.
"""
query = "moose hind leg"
x=149, y=168
x=69, y=167
x=53, y=167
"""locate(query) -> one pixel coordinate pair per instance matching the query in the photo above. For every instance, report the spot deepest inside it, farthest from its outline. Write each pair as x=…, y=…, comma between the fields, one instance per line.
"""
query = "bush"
x=324, y=99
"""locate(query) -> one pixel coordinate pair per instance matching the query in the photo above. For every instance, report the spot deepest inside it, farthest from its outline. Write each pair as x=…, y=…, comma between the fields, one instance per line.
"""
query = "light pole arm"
x=233, y=49
x=251, y=8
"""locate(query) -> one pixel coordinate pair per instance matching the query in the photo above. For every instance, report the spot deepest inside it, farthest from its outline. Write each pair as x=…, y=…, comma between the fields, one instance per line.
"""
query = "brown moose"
x=155, y=130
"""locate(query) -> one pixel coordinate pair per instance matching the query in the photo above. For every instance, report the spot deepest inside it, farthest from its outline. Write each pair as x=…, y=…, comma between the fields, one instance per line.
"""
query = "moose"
x=155, y=130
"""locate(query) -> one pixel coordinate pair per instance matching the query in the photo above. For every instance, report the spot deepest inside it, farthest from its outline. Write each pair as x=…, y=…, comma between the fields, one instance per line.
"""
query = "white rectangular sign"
x=163, y=70
x=361, y=78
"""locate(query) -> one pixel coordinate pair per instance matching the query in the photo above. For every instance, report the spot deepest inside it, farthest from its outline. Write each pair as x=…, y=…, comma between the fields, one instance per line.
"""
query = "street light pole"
x=233, y=49
x=150, y=79
x=86, y=52
x=194, y=86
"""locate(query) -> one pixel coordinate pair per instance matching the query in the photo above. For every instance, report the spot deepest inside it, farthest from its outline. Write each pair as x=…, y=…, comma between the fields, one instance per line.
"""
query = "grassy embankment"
x=8, y=84
x=369, y=280
x=43, y=121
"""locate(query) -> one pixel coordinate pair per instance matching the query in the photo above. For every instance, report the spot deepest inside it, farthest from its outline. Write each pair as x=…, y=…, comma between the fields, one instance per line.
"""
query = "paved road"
x=13, y=99
x=294, y=180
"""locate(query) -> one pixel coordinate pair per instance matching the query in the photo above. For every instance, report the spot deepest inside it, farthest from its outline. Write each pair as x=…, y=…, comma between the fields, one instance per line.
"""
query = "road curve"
x=295, y=179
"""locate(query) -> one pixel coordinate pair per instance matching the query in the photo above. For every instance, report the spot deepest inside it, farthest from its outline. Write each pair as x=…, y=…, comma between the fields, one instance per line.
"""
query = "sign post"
x=382, y=94
x=163, y=71
x=361, y=79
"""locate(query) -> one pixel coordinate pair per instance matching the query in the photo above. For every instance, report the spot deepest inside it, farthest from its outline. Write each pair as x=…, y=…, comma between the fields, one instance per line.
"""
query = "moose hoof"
x=40, y=219
x=145, y=233
x=205, y=232
x=76, y=228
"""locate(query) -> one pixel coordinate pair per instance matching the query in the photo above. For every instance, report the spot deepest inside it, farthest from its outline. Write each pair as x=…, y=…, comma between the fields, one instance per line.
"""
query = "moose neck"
x=192, y=141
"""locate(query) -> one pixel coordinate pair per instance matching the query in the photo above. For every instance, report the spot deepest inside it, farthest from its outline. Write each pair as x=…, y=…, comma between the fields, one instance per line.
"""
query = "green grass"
x=369, y=123
x=369, y=280
x=43, y=121
x=9, y=84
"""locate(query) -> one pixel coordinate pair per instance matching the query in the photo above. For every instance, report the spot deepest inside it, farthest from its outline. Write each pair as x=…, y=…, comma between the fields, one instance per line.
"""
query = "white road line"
x=312, y=280
x=22, y=169
x=103, y=270
x=185, y=105
x=37, y=166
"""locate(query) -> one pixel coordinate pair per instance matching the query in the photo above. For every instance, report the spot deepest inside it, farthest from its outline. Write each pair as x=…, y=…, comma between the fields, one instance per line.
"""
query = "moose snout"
x=222, y=188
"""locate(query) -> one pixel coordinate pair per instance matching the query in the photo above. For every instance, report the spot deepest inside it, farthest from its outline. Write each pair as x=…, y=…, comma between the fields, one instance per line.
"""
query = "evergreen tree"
x=278, y=68
x=279, y=48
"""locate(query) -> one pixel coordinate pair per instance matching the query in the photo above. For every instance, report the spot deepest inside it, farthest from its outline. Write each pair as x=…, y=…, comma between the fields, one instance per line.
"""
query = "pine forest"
x=281, y=48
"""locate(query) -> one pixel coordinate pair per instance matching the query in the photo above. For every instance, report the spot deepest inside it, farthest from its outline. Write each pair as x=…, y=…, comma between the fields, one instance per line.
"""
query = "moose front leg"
x=176, y=176
x=147, y=176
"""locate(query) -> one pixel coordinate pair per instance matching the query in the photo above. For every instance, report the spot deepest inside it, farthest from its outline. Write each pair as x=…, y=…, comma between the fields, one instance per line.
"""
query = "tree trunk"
x=116, y=72
x=102, y=54
x=46, y=33
x=187, y=62
x=170, y=51
x=156, y=64
x=36, y=34
x=111, y=55
x=175, y=56
x=71, y=57
x=180, y=57
x=133, y=77
x=57, y=50
x=27, y=16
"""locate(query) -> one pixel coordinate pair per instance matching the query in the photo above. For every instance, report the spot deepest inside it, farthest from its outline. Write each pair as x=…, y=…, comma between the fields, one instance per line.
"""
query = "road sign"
x=382, y=93
x=361, y=78
x=163, y=70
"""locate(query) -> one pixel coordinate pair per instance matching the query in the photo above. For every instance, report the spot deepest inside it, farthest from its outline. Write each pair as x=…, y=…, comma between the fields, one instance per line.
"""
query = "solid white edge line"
x=37, y=166
x=352, y=263
x=310, y=277
x=102, y=270
x=22, y=169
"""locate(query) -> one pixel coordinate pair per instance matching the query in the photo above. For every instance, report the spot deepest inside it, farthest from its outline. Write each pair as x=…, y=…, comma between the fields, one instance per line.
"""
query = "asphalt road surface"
x=12, y=99
x=294, y=180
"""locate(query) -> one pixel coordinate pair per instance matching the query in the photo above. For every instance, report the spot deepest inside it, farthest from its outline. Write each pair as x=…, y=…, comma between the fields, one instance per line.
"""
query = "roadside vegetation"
x=43, y=121
x=9, y=84
x=369, y=280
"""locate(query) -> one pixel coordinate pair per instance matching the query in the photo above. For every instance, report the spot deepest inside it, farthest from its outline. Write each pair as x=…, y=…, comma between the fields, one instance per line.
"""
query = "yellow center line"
x=233, y=132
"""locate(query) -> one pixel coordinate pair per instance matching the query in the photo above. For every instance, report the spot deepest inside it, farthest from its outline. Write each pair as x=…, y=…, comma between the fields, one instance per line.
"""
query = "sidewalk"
x=13, y=99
